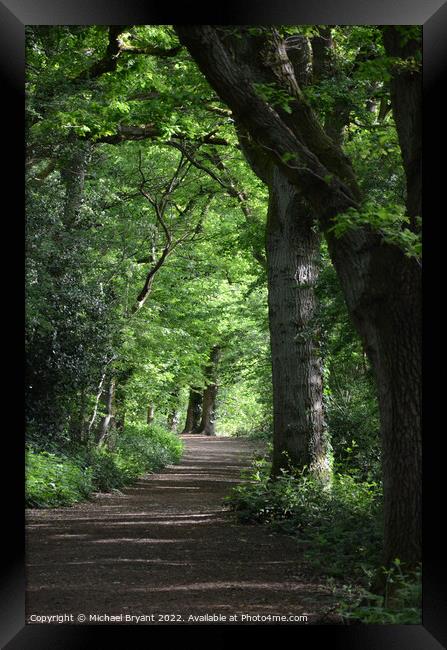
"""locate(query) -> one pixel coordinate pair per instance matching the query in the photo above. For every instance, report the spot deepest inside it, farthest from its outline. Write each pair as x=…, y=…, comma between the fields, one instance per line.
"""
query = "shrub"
x=106, y=473
x=58, y=479
x=53, y=480
x=339, y=532
x=340, y=521
x=143, y=448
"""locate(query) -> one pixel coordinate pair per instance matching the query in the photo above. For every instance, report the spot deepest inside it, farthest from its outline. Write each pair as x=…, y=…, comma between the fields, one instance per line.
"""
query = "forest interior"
x=223, y=323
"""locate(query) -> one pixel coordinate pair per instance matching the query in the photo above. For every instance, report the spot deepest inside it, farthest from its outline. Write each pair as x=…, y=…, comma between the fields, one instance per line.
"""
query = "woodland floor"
x=168, y=545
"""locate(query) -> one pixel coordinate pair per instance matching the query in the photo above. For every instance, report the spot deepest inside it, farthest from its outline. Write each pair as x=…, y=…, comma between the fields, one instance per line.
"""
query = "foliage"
x=92, y=237
x=353, y=422
x=274, y=95
x=400, y=605
x=338, y=530
x=53, y=480
x=83, y=281
x=148, y=448
x=340, y=522
x=388, y=221
x=350, y=395
x=63, y=479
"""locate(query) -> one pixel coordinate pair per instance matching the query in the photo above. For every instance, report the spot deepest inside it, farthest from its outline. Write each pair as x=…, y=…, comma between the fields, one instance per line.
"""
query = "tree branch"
x=329, y=192
x=109, y=61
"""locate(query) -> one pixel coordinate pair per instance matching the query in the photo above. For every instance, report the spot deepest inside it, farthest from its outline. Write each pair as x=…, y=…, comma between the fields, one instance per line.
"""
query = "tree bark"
x=108, y=421
x=173, y=419
x=194, y=412
x=382, y=288
x=207, y=424
x=293, y=246
x=406, y=103
x=150, y=413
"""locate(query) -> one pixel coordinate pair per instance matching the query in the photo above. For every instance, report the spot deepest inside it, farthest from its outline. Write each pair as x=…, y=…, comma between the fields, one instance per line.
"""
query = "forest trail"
x=167, y=545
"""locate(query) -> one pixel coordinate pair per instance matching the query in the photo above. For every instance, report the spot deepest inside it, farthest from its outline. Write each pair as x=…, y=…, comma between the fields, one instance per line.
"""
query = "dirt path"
x=168, y=546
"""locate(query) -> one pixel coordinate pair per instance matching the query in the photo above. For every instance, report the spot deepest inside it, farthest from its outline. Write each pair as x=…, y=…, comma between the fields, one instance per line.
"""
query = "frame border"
x=14, y=16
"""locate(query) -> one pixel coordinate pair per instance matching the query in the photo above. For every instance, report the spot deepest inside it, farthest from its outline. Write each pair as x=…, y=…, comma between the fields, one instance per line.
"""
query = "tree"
x=207, y=423
x=380, y=283
x=193, y=412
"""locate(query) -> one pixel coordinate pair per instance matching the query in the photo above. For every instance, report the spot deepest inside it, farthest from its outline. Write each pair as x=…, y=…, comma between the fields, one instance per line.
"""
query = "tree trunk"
x=108, y=421
x=207, y=423
x=173, y=419
x=98, y=395
x=293, y=246
x=293, y=249
x=77, y=422
x=382, y=288
x=150, y=413
x=406, y=103
x=194, y=412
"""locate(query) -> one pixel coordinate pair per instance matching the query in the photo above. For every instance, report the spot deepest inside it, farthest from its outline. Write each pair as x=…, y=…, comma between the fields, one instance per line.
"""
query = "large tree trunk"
x=207, y=425
x=293, y=247
x=382, y=288
x=194, y=412
x=406, y=102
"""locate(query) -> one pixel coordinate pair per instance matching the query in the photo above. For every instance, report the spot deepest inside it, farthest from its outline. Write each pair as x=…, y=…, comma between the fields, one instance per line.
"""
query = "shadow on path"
x=167, y=545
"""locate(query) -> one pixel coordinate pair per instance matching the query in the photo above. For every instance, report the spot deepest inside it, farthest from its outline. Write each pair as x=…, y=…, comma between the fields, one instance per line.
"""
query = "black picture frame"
x=14, y=15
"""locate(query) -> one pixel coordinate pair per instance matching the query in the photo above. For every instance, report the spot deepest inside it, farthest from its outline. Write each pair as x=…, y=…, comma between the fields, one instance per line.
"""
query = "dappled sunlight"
x=154, y=486
x=184, y=542
x=238, y=585
x=139, y=540
x=62, y=535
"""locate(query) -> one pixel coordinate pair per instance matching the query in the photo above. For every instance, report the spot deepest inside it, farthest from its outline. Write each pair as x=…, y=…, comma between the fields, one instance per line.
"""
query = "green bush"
x=339, y=534
x=106, y=472
x=53, y=480
x=59, y=479
x=340, y=522
x=143, y=448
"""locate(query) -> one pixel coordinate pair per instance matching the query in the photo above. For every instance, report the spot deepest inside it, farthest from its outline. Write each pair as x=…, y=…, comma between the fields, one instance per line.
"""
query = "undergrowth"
x=338, y=529
x=400, y=604
x=63, y=477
